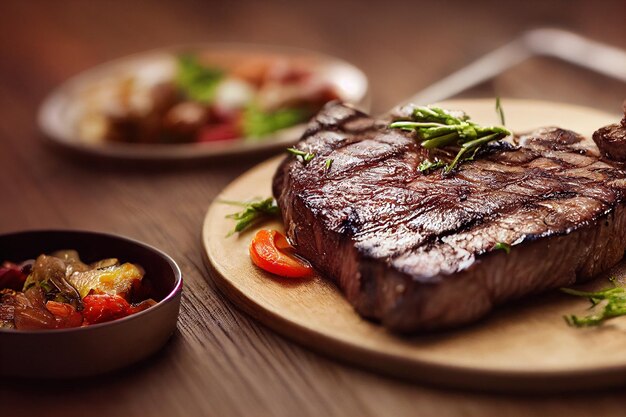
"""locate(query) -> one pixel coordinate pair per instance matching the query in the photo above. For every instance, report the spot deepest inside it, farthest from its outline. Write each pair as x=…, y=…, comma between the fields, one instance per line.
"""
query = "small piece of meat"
x=417, y=251
x=612, y=140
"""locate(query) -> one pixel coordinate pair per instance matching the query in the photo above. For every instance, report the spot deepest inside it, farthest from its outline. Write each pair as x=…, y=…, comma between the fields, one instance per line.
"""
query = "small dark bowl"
x=98, y=348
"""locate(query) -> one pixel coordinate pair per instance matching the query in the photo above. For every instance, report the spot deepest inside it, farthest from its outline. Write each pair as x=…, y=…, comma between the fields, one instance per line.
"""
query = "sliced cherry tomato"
x=271, y=252
x=104, y=307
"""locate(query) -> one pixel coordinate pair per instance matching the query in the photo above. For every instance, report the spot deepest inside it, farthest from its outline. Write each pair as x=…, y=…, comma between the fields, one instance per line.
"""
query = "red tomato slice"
x=271, y=252
x=104, y=307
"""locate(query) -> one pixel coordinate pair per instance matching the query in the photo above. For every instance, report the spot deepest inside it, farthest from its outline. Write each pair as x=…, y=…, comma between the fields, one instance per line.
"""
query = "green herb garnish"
x=502, y=246
x=253, y=211
x=500, y=111
x=306, y=156
x=258, y=123
x=438, y=128
x=328, y=163
x=56, y=289
x=196, y=81
x=613, y=299
x=427, y=165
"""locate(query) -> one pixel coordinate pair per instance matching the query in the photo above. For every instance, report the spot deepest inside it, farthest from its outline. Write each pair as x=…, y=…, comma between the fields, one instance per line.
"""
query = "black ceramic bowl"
x=96, y=348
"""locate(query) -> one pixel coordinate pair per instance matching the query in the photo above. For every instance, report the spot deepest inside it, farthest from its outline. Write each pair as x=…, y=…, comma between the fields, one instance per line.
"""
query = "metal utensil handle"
x=556, y=43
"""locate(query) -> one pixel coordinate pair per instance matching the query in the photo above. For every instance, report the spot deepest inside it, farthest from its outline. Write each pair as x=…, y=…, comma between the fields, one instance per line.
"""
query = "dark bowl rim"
x=176, y=290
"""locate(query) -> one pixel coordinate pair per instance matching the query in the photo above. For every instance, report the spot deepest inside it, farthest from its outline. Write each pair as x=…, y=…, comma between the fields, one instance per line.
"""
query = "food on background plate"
x=191, y=99
x=60, y=291
x=427, y=221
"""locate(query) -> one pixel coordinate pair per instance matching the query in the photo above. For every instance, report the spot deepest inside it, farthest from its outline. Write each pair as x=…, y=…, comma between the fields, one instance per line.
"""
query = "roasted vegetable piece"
x=100, y=308
x=66, y=316
x=71, y=260
x=113, y=280
x=49, y=274
x=30, y=311
x=104, y=263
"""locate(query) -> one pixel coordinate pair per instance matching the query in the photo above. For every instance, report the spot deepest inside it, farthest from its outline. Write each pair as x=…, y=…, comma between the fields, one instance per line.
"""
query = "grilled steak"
x=419, y=251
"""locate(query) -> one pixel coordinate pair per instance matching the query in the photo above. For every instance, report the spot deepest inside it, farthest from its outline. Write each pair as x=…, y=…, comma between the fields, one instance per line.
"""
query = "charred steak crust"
x=611, y=140
x=416, y=251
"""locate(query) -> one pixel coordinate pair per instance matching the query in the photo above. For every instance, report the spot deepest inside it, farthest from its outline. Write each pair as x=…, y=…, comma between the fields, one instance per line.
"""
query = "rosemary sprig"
x=438, y=128
x=427, y=165
x=328, y=163
x=306, y=156
x=253, y=211
x=615, y=305
x=500, y=111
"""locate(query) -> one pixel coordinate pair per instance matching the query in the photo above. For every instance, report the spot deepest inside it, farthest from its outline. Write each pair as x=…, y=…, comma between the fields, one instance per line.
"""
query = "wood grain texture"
x=525, y=347
x=221, y=362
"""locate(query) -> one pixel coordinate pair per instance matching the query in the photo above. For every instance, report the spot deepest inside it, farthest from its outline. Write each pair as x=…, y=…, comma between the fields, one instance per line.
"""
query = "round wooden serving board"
x=524, y=346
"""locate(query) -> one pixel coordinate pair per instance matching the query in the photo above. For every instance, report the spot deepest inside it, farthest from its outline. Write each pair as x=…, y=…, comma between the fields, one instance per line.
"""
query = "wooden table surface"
x=220, y=361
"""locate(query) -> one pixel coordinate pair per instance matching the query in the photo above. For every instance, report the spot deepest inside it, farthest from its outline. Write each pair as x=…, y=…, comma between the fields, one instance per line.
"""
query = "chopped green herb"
x=328, y=163
x=196, y=81
x=612, y=302
x=253, y=211
x=258, y=123
x=428, y=165
x=306, y=156
x=52, y=291
x=502, y=246
x=438, y=128
x=500, y=111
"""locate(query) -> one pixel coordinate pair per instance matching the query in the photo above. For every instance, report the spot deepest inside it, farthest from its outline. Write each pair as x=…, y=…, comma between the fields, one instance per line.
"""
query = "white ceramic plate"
x=59, y=113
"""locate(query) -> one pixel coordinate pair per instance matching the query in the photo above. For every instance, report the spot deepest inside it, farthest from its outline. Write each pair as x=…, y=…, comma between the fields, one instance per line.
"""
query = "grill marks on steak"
x=415, y=250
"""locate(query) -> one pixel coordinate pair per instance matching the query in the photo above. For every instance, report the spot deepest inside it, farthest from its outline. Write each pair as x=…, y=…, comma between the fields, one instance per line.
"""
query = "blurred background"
x=403, y=46
x=221, y=360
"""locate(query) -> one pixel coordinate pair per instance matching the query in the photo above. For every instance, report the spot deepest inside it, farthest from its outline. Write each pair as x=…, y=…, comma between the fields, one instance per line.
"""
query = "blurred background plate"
x=61, y=111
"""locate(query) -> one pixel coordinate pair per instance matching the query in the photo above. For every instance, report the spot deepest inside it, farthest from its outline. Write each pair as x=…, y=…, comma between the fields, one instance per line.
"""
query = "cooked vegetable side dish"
x=60, y=291
x=195, y=100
